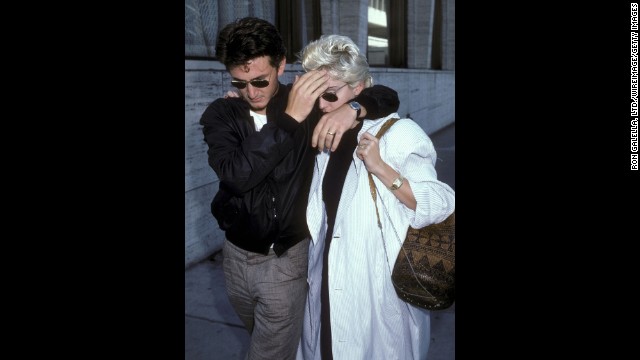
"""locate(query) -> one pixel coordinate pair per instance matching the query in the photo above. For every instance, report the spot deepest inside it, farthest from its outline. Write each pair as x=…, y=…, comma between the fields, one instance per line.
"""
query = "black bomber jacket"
x=265, y=176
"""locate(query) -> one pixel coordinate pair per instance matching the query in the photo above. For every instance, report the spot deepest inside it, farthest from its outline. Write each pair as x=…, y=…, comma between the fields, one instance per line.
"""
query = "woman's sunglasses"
x=331, y=96
x=259, y=83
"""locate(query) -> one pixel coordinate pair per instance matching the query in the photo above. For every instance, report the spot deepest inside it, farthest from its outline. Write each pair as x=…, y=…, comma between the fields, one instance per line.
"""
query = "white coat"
x=368, y=320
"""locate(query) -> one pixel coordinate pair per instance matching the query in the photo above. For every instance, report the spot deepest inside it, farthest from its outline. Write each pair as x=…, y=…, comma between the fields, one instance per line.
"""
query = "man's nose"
x=252, y=90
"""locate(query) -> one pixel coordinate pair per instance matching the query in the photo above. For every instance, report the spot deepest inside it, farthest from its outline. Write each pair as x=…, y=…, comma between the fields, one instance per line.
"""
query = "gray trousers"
x=268, y=293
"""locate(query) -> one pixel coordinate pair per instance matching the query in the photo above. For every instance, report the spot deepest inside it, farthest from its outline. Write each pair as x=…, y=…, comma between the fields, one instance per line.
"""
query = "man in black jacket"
x=263, y=157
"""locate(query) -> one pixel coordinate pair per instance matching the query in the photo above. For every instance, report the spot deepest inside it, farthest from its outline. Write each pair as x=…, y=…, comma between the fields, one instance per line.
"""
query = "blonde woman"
x=352, y=311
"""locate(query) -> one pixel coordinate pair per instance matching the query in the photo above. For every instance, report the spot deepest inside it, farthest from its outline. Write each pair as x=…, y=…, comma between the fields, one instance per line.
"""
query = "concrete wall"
x=427, y=96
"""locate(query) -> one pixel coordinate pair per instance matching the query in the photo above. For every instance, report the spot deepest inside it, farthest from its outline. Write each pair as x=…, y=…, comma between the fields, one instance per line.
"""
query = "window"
x=299, y=22
x=387, y=40
x=378, y=36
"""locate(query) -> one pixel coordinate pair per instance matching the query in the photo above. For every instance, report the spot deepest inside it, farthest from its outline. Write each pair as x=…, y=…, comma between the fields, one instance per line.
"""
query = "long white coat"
x=368, y=320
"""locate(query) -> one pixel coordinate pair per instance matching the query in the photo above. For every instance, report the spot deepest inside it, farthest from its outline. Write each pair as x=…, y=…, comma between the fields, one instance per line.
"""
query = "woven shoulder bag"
x=425, y=268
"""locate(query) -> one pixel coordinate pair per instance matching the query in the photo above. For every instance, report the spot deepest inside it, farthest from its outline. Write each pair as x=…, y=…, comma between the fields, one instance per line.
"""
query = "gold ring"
x=330, y=133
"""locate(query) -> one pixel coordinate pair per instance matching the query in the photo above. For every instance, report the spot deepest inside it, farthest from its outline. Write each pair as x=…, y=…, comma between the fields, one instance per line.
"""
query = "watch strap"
x=358, y=109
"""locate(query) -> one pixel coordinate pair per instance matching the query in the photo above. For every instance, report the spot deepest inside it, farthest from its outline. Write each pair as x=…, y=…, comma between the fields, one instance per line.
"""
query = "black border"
x=546, y=201
x=542, y=179
x=130, y=227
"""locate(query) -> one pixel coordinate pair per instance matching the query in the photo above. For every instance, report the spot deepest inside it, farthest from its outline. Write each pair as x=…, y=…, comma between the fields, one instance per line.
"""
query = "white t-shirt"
x=258, y=119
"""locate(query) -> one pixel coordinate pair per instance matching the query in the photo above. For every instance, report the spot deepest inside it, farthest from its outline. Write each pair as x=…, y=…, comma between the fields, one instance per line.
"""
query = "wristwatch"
x=396, y=183
x=355, y=106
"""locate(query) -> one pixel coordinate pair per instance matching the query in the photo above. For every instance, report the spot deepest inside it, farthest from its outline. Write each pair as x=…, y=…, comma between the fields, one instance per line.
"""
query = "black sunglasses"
x=331, y=96
x=259, y=83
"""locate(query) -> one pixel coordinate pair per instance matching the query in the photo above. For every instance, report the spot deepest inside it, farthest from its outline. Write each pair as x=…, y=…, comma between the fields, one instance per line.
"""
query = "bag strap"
x=385, y=127
x=372, y=186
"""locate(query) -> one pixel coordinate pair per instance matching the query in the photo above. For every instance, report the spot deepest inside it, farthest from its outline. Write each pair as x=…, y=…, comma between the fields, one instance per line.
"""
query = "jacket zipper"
x=275, y=213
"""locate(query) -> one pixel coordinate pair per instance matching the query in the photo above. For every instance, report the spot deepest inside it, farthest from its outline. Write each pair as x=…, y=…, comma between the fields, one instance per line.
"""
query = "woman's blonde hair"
x=340, y=56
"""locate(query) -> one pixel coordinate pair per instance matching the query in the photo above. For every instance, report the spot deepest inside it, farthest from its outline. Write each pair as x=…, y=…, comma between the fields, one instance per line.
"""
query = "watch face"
x=354, y=105
x=396, y=184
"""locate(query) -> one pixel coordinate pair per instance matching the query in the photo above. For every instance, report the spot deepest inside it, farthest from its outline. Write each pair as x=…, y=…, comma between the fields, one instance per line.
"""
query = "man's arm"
x=376, y=102
x=304, y=92
x=241, y=158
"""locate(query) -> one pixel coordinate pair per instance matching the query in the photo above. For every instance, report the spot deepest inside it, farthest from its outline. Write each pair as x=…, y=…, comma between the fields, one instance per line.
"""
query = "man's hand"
x=231, y=94
x=305, y=91
x=331, y=127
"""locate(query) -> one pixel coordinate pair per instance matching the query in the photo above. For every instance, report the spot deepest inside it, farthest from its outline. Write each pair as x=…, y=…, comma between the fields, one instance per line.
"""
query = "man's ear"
x=283, y=64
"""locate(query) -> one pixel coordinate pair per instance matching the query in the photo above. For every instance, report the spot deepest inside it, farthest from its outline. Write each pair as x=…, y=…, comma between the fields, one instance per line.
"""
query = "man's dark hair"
x=249, y=38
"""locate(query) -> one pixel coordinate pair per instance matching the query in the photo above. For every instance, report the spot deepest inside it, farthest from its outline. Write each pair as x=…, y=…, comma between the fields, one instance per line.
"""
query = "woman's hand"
x=369, y=151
